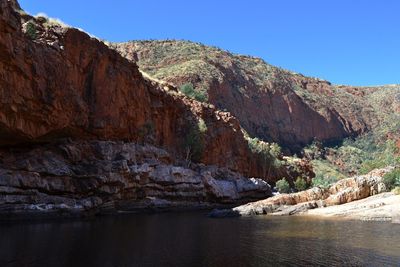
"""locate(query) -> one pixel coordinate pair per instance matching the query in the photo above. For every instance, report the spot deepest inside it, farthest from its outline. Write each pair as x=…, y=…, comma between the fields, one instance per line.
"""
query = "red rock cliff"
x=58, y=82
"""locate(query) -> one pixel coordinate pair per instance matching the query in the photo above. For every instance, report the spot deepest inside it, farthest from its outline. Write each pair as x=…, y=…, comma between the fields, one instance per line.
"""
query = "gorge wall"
x=63, y=83
x=58, y=86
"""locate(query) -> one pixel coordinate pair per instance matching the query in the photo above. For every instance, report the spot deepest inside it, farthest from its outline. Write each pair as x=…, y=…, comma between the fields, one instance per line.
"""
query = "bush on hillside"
x=202, y=126
x=270, y=152
x=194, y=143
x=189, y=91
x=31, y=30
x=314, y=150
x=283, y=186
x=324, y=181
x=370, y=165
x=392, y=179
x=324, y=168
x=300, y=184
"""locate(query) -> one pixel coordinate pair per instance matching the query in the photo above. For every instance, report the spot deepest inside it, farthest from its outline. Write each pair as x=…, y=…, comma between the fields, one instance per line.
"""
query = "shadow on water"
x=192, y=239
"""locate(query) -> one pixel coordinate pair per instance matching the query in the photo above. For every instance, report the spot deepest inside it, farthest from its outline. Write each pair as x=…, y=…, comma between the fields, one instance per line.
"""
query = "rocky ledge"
x=91, y=177
x=381, y=207
x=366, y=194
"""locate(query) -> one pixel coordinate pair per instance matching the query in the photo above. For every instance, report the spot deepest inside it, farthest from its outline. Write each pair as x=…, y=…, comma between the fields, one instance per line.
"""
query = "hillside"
x=270, y=103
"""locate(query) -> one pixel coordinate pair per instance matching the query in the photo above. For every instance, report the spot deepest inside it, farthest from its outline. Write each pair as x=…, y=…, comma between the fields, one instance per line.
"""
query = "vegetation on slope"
x=189, y=91
x=196, y=68
x=296, y=173
x=231, y=81
x=392, y=179
x=377, y=148
x=194, y=143
x=198, y=63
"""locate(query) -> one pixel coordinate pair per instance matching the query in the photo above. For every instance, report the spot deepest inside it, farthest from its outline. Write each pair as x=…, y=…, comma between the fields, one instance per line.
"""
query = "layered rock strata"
x=91, y=177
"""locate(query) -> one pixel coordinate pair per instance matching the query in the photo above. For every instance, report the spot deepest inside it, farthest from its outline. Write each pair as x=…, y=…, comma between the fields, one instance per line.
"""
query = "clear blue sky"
x=344, y=41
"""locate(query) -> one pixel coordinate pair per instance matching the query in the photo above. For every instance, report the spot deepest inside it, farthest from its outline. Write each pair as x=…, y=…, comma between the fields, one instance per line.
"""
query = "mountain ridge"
x=230, y=81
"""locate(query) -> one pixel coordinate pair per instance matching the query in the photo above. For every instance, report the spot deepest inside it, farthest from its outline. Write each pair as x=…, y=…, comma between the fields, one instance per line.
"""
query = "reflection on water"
x=192, y=239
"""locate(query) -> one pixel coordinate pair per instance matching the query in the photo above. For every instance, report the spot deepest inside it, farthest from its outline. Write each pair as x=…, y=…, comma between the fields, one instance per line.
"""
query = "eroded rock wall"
x=58, y=82
x=90, y=177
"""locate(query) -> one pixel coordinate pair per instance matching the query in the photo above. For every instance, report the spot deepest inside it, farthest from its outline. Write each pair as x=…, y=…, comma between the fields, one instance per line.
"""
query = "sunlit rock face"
x=57, y=82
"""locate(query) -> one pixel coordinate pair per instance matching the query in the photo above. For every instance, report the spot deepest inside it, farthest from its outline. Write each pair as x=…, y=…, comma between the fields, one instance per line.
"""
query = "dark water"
x=191, y=239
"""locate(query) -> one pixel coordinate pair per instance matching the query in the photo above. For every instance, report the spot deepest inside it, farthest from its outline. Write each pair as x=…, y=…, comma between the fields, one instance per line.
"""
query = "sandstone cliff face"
x=58, y=82
x=270, y=103
x=88, y=177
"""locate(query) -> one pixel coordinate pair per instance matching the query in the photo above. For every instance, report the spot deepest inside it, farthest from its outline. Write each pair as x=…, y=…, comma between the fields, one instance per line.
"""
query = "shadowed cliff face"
x=270, y=103
x=105, y=176
x=57, y=82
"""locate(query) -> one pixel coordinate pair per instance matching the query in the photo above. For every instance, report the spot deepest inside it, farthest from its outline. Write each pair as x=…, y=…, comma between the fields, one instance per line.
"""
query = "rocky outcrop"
x=80, y=178
x=270, y=103
x=344, y=191
x=381, y=207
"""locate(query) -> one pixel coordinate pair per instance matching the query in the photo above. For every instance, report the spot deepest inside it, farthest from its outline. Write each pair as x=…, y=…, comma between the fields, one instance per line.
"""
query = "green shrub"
x=314, y=150
x=300, y=184
x=193, y=142
x=31, y=30
x=189, y=91
x=324, y=168
x=283, y=186
x=270, y=152
x=275, y=150
x=392, y=179
x=202, y=126
x=323, y=181
x=370, y=165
